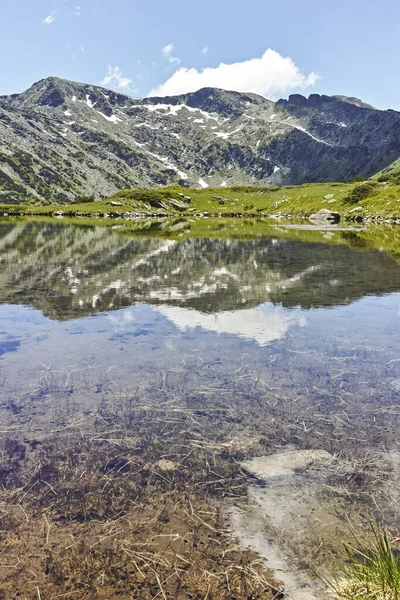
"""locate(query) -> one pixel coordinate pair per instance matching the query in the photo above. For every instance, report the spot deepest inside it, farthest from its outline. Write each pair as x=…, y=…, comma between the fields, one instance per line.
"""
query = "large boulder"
x=325, y=216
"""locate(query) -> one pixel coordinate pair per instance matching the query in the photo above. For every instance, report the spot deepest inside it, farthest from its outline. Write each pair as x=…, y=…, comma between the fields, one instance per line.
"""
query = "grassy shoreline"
x=367, y=201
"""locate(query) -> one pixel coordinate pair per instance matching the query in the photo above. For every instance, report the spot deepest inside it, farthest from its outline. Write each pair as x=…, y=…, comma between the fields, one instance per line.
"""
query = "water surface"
x=301, y=338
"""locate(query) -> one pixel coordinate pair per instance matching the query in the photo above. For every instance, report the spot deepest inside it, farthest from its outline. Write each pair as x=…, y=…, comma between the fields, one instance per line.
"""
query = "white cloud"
x=115, y=77
x=205, y=50
x=50, y=19
x=167, y=53
x=269, y=75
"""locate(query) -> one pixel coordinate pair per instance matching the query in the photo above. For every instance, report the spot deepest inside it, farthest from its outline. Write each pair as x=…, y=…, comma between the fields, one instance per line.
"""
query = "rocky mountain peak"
x=214, y=100
x=46, y=92
x=54, y=92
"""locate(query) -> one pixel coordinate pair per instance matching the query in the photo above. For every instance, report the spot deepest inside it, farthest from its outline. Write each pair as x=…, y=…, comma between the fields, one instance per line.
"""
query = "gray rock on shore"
x=325, y=216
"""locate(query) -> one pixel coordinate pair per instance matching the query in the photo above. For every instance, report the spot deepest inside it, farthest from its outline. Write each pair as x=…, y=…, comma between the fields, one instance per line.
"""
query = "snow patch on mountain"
x=226, y=134
x=112, y=119
x=174, y=109
x=89, y=102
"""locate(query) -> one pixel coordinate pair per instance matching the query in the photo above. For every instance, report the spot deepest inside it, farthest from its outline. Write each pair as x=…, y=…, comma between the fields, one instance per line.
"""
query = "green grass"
x=373, y=571
x=377, y=198
x=390, y=173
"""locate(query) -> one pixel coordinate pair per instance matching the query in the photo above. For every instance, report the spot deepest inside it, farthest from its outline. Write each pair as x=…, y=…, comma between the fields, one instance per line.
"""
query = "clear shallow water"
x=84, y=307
x=292, y=344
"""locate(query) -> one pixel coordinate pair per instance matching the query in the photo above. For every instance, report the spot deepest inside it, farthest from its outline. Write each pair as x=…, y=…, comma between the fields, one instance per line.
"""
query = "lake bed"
x=204, y=352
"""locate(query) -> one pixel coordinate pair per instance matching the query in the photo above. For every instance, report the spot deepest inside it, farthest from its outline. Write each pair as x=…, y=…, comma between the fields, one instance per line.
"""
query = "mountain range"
x=61, y=140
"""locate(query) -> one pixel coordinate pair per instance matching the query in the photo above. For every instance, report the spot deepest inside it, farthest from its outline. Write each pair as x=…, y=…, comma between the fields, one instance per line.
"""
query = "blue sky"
x=168, y=46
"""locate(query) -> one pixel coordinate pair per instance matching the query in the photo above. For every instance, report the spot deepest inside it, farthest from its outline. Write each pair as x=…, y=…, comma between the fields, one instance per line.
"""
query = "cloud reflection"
x=263, y=324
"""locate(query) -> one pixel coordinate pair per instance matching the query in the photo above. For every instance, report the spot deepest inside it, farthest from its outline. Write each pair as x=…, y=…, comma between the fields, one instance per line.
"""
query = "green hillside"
x=391, y=173
x=369, y=200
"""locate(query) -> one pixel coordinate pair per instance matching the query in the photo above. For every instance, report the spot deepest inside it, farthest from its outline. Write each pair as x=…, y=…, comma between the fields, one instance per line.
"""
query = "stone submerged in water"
x=325, y=216
x=284, y=464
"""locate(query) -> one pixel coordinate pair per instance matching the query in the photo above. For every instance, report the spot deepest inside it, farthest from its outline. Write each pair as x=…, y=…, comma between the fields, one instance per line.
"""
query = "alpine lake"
x=194, y=410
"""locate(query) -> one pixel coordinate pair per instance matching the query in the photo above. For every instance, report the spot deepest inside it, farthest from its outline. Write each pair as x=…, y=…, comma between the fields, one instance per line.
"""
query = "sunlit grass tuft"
x=373, y=572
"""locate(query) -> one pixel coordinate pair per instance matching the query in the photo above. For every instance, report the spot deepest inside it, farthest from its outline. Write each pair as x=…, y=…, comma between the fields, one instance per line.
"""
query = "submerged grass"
x=373, y=571
x=122, y=510
x=126, y=499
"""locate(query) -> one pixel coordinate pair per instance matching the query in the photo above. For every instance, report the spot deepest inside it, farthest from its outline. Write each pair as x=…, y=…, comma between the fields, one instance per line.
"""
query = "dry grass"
x=129, y=508
x=128, y=502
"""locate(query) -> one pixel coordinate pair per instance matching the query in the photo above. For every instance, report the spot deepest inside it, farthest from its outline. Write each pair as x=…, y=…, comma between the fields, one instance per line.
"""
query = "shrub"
x=393, y=178
x=360, y=192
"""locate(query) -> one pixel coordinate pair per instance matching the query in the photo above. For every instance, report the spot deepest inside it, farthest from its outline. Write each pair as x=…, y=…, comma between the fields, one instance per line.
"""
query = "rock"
x=325, y=216
x=177, y=204
x=284, y=464
x=113, y=203
x=187, y=198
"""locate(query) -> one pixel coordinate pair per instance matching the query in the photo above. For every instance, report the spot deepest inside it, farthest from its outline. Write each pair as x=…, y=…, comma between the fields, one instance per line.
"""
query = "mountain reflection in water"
x=68, y=272
x=152, y=302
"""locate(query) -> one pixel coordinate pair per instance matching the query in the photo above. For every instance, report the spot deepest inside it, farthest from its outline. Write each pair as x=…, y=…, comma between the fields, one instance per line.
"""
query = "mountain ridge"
x=62, y=139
